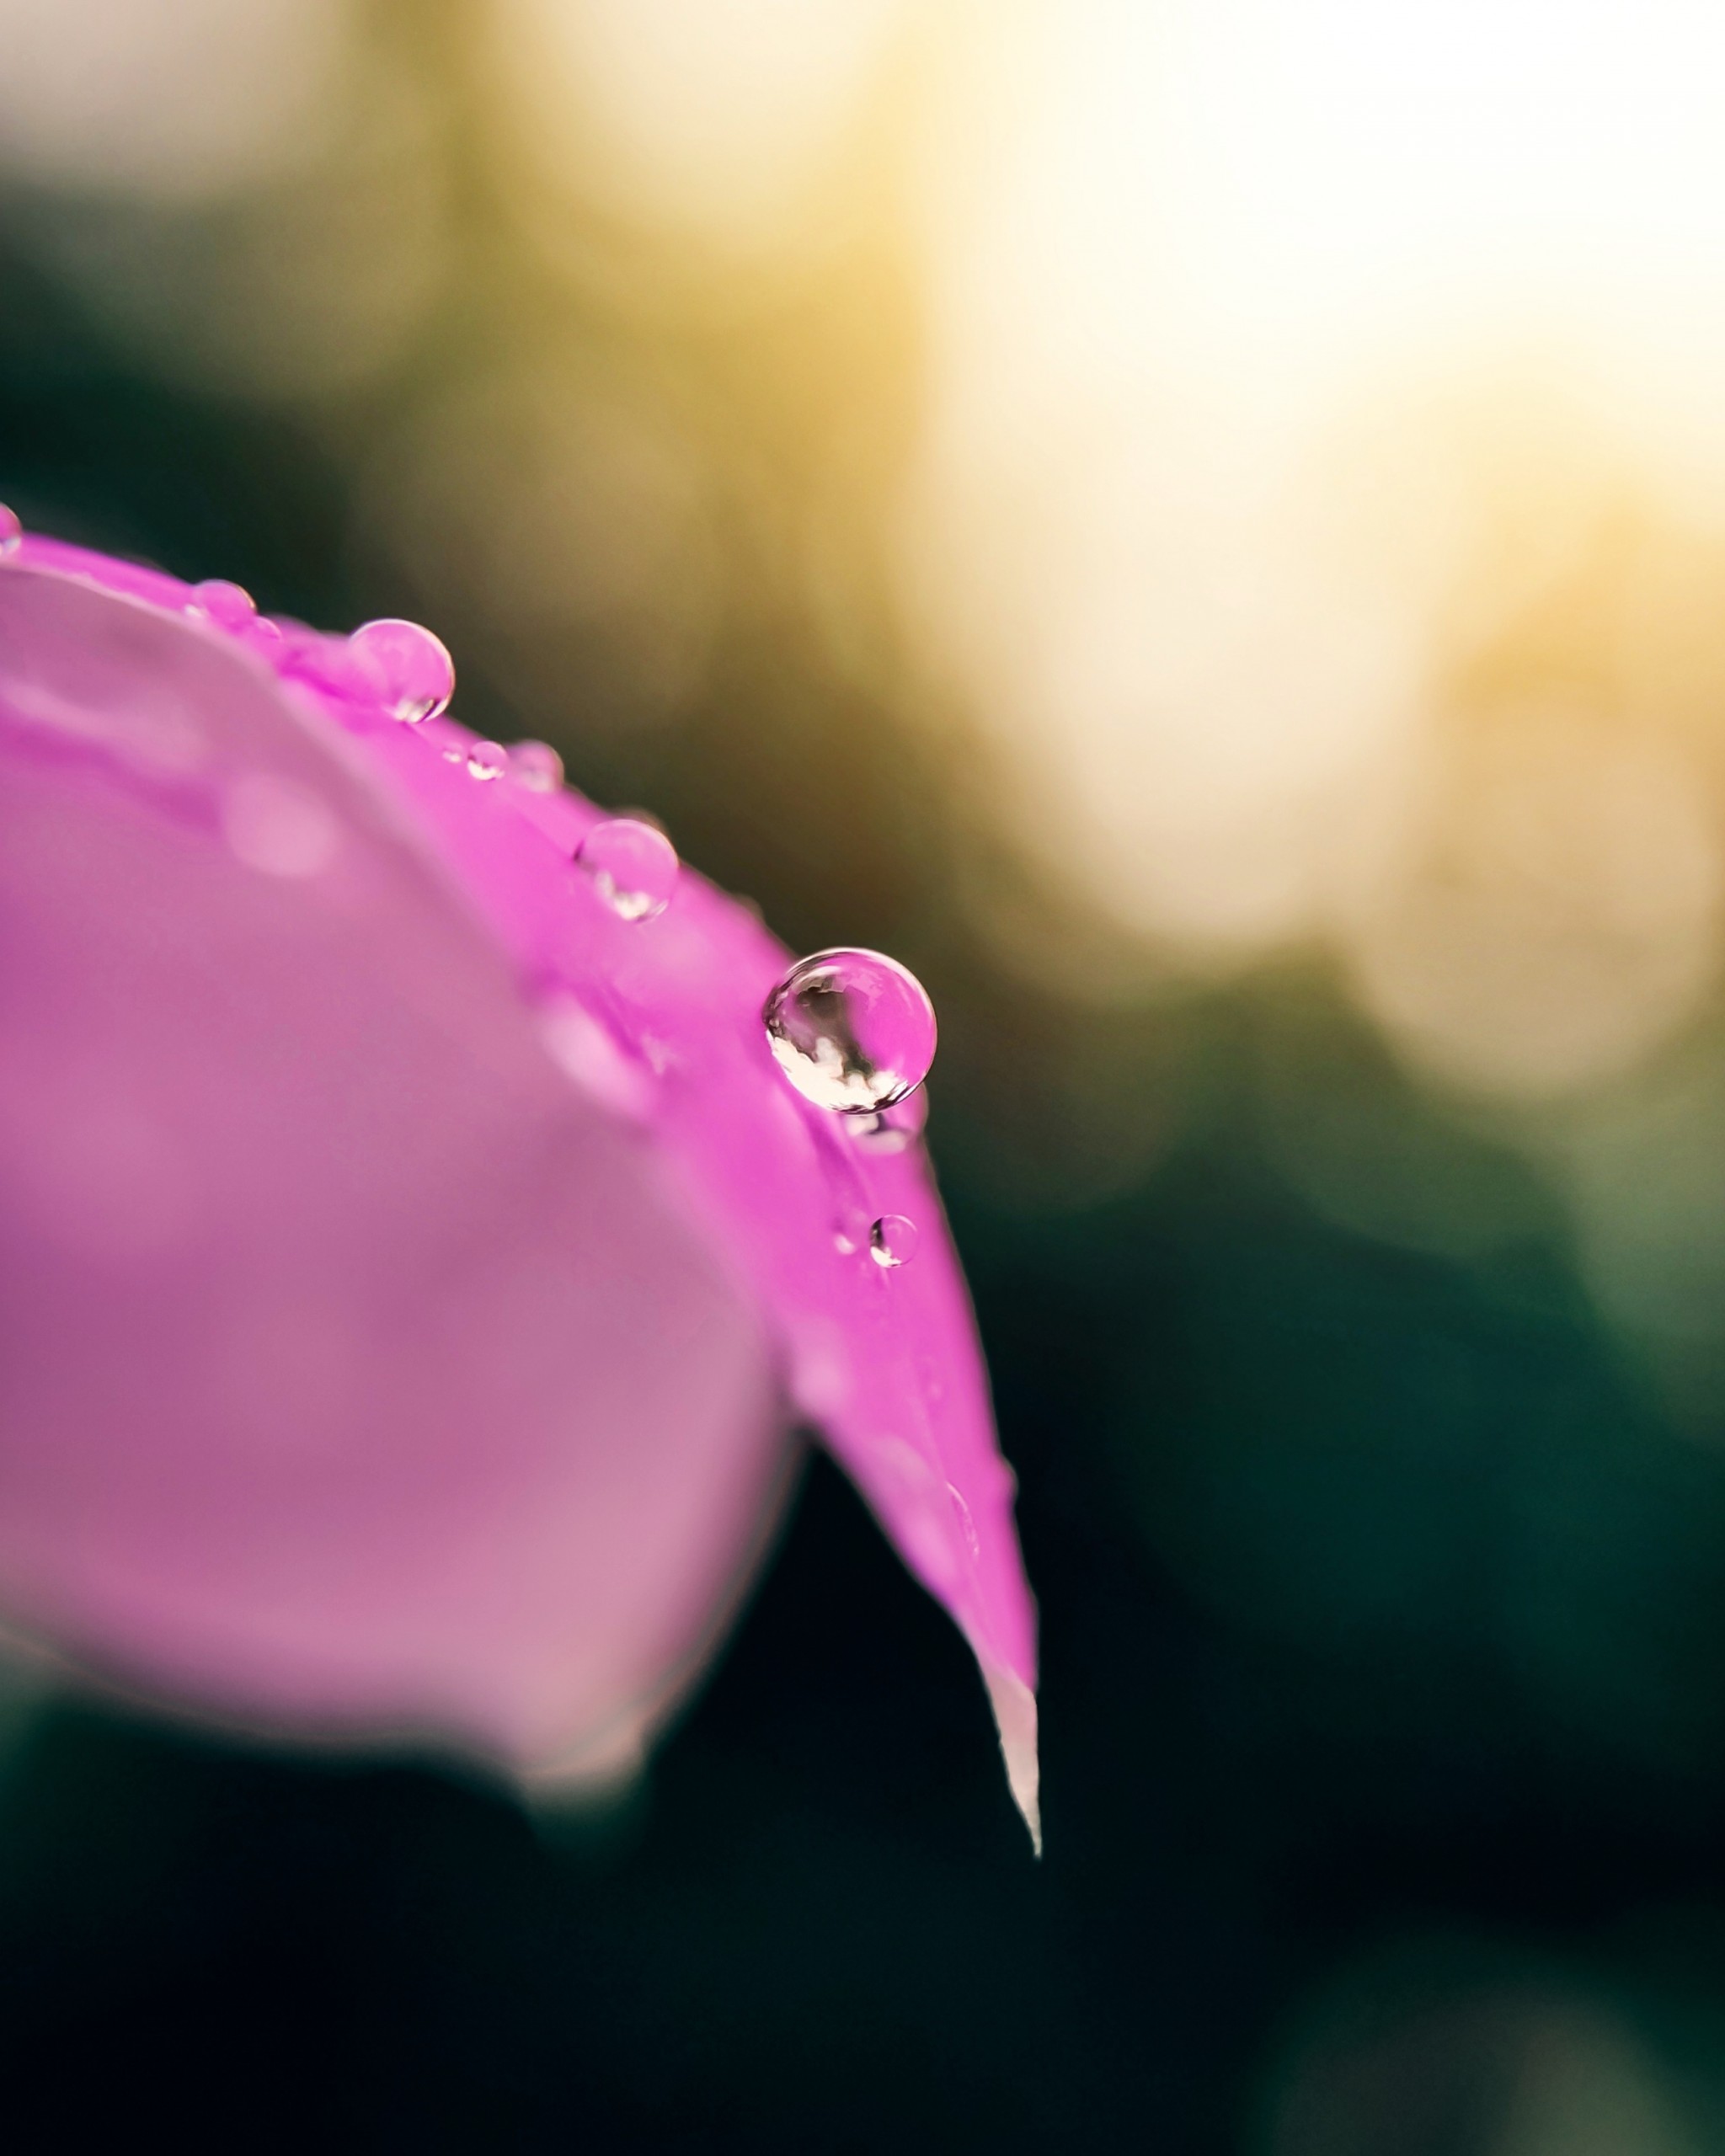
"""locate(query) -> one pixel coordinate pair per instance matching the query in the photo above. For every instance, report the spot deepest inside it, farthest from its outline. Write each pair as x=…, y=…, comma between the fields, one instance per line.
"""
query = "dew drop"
x=634, y=866
x=537, y=765
x=892, y=1241
x=455, y=752
x=228, y=605
x=852, y=1030
x=11, y=531
x=486, y=759
x=406, y=666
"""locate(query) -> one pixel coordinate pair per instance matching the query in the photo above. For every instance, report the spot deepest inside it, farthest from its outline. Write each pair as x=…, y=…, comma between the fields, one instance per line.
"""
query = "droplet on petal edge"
x=409, y=669
x=537, y=765
x=633, y=865
x=486, y=759
x=228, y=605
x=11, y=531
x=852, y=1030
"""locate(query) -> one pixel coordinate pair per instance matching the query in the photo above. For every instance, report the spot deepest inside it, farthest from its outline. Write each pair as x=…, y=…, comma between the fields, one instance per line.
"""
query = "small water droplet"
x=892, y=1241
x=634, y=866
x=486, y=759
x=455, y=752
x=406, y=666
x=228, y=605
x=537, y=765
x=852, y=1030
x=11, y=531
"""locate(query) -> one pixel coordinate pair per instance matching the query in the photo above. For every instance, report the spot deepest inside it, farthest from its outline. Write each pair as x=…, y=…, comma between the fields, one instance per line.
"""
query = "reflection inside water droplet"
x=486, y=759
x=406, y=666
x=634, y=866
x=537, y=765
x=11, y=531
x=892, y=1241
x=852, y=1030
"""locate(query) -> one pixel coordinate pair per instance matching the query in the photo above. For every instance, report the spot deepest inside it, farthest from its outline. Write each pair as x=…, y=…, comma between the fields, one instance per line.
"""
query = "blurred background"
x=1199, y=525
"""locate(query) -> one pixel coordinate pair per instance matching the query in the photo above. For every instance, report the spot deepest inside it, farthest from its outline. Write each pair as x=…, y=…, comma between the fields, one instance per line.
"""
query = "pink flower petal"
x=413, y=1250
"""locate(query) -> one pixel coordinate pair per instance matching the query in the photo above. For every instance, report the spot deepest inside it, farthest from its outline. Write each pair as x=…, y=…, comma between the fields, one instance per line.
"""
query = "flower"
x=416, y=1255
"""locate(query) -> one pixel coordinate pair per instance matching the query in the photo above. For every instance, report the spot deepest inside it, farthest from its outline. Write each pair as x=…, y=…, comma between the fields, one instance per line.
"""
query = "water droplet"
x=406, y=666
x=537, y=765
x=892, y=1241
x=455, y=752
x=486, y=759
x=11, y=531
x=228, y=605
x=852, y=1030
x=634, y=866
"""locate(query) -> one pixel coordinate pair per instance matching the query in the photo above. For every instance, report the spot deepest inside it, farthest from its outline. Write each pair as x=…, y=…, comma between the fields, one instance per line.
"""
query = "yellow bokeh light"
x=1238, y=309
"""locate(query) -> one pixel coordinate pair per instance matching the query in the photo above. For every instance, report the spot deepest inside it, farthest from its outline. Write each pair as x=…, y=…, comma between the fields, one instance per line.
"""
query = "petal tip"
x=1014, y=1705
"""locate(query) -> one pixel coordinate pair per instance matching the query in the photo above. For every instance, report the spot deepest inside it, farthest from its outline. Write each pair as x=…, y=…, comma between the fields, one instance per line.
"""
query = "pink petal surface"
x=411, y=1256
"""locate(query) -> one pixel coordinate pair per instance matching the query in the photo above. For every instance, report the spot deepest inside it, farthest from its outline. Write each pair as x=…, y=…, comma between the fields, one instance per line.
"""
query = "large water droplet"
x=634, y=866
x=486, y=759
x=406, y=665
x=852, y=1030
x=892, y=1241
x=11, y=531
x=228, y=605
x=537, y=765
